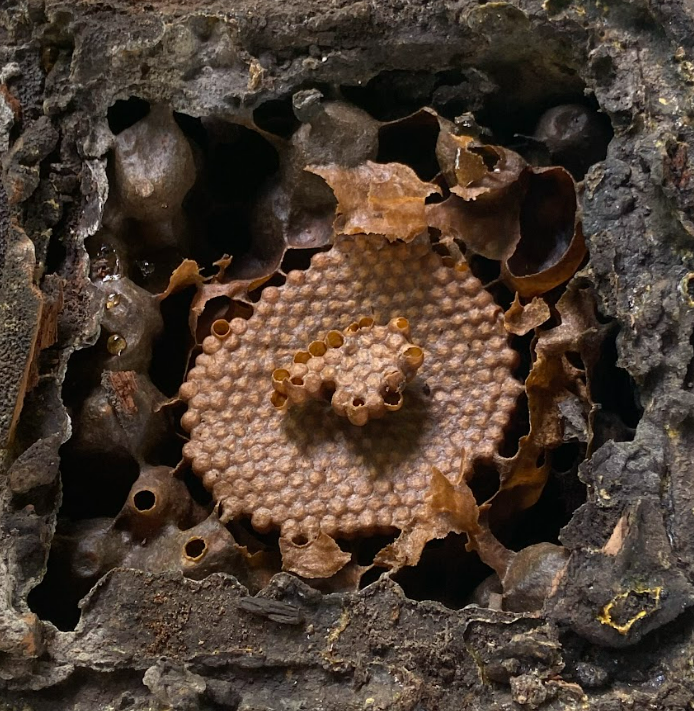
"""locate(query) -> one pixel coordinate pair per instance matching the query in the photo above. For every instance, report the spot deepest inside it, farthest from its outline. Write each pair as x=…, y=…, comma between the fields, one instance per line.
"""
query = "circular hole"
x=317, y=349
x=358, y=402
x=302, y=357
x=195, y=548
x=296, y=381
x=335, y=339
x=221, y=328
x=391, y=398
x=278, y=400
x=414, y=355
x=353, y=327
x=366, y=322
x=299, y=540
x=144, y=500
x=402, y=323
x=280, y=374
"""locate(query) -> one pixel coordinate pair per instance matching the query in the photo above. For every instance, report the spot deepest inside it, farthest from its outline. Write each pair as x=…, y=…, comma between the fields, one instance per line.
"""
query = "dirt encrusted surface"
x=154, y=192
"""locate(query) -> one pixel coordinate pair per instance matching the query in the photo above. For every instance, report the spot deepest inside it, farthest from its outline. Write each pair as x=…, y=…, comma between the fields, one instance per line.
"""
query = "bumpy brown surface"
x=306, y=470
x=361, y=371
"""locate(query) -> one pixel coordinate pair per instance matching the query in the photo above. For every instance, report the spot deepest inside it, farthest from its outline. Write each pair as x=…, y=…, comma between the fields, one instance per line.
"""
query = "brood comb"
x=307, y=471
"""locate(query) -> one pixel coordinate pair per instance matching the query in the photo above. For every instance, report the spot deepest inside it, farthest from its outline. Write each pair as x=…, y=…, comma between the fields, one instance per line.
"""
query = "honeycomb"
x=361, y=371
x=304, y=470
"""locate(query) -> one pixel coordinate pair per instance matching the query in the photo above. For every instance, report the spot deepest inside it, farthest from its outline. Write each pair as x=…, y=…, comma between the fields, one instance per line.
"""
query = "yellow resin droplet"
x=116, y=344
x=112, y=301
